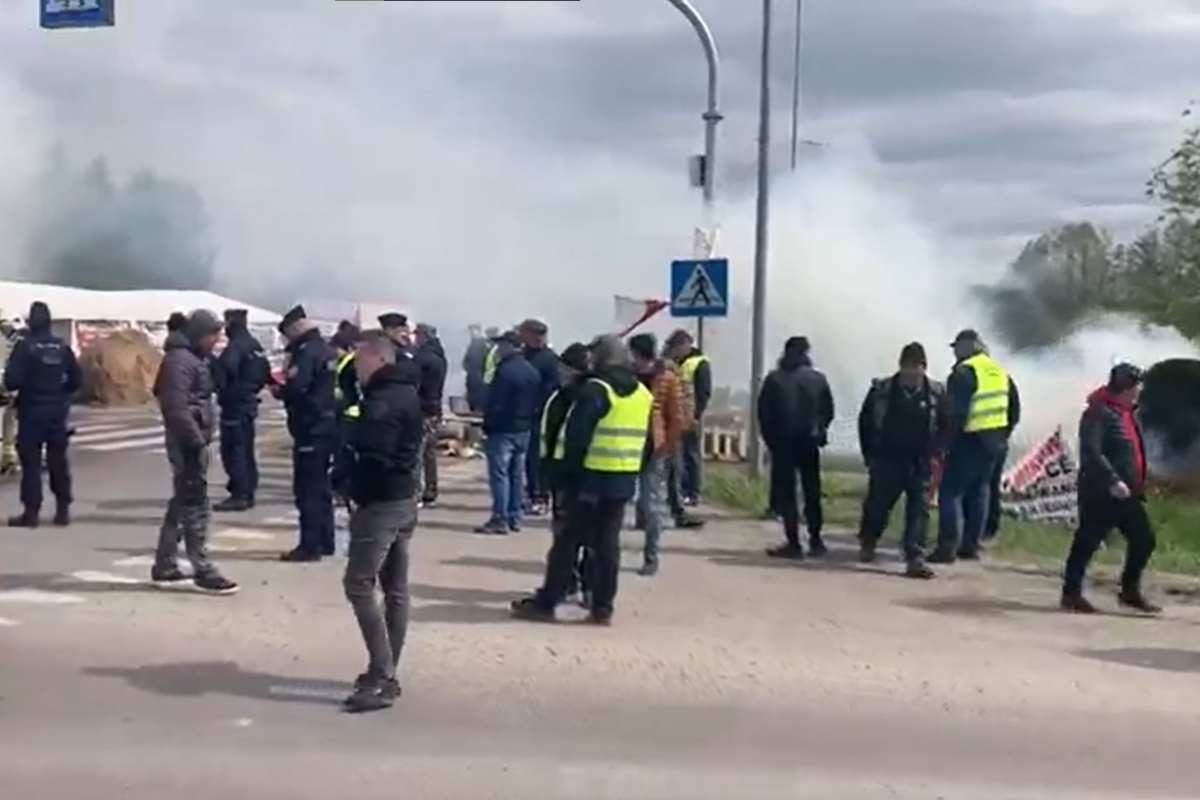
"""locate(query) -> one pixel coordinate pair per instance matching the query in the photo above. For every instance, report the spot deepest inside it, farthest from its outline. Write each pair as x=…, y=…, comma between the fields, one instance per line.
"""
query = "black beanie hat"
x=575, y=357
x=295, y=315
x=644, y=345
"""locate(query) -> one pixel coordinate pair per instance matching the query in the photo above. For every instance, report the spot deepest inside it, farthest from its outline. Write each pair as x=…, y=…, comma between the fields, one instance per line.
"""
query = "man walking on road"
x=43, y=372
x=241, y=372
x=308, y=395
x=507, y=422
x=795, y=410
x=1112, y=491
x=899, y=428
x=605, y=442
x=184, y=388
x=687, y=481
x=383, y=484
x=539, y=355
x=984, y=409
x=667, y=426
x=431, y=359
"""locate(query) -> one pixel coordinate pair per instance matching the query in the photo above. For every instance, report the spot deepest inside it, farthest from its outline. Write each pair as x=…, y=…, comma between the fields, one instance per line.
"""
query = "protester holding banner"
x=1112, y=491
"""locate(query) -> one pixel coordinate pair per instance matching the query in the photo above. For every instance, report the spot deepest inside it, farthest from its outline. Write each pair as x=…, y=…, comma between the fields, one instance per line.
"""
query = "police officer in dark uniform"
x=241, y=372
x=309, y=398
x=395, y=325
x=43, y=372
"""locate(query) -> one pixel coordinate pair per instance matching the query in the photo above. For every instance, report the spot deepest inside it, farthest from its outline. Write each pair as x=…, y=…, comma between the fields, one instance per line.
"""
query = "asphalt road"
x=725, y=677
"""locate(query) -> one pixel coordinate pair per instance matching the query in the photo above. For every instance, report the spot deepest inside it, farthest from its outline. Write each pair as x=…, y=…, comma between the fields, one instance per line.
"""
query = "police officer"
x=984, y=408
x=308, y=397
x=603, y=450
x=43, y=372
x=241, y=372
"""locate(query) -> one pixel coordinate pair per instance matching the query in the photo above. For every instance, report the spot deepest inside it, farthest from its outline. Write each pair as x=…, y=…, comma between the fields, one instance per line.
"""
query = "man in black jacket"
x=308, y=395
x=795, y=410
x=431, y=358
x=899, y=429
x=383, y=485
x=184, y=388
x=507, y=421
x=1112, y=491
x=603, y=452
x=43, y=372
x=542, y=358
x=241, y=372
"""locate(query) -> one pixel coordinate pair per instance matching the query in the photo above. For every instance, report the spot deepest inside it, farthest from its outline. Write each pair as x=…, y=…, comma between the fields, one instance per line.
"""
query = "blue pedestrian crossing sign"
x=77, y=13
x=700, y=288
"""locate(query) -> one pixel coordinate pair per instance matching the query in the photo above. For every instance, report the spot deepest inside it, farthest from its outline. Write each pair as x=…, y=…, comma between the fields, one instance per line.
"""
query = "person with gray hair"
x=184, y=388
x=603, y=450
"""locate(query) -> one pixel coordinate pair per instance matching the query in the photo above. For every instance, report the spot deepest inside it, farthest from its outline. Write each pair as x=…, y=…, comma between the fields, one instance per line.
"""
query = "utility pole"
x=711, y=117
x=761, y=241
x=796, y=82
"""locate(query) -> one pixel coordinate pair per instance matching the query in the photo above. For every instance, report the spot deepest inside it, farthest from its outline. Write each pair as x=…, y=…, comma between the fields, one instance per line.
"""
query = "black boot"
x=232, y=504
x=62, y=516
x=27, y=519
x=1076, y=603
x=1133, y=598
x=816, y=546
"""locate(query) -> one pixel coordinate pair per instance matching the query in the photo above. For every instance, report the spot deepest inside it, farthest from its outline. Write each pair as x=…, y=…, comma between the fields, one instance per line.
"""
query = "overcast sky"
x=530, y=156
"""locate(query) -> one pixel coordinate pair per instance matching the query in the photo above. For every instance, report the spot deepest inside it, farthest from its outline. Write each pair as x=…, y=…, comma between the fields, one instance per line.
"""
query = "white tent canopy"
x=138, y=305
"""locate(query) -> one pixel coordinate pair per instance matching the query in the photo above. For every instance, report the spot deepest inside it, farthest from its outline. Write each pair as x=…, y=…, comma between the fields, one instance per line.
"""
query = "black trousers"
x=314, y=494
x=429, y=459
x=39, y=429
x=238, y=456
x=994, y=513
x=594, y=523
x=803, y=457
x=533, y=466
x=1099, y=514
x=891, y=478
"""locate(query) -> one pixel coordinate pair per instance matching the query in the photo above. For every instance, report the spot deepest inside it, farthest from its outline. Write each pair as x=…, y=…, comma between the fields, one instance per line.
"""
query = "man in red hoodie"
x=1112, y=490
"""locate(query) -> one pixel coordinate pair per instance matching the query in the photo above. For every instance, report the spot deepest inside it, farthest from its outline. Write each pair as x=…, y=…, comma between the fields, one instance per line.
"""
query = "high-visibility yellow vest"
x=544, y=438
x=339, y=396
x=620, y=436
x=689, y=366
x=989, y=404
x=490, y=364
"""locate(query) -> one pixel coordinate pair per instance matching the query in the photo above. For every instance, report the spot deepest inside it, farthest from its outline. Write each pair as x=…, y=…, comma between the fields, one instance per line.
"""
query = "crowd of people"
x=578, y=436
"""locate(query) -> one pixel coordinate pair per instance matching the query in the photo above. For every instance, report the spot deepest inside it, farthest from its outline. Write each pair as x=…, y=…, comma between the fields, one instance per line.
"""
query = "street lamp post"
x=758, y=318
x=711, y=117
x=796, y=82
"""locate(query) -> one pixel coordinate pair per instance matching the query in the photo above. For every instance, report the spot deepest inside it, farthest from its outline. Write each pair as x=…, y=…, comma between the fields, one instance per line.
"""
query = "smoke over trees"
x=90, y=231
x=1073, y=272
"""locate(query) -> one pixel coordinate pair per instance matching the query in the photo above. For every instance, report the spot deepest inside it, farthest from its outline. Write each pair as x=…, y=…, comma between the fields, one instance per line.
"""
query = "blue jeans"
x=506, y=454
x=652, y=503
x=963, y=498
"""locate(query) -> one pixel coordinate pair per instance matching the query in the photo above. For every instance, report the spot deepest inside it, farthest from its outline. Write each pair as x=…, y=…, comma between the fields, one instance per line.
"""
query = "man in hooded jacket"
x=431, y=359
x=184, y=388
x=42, y=370
x=795, y=410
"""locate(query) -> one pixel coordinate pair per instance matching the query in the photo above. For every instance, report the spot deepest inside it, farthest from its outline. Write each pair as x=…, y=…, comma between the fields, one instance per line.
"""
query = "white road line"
x=130, y=444
x=5, y=622
x=243, y=534
x=86, y=429
x=117, y=434
x=39, y=597
x=94, y=576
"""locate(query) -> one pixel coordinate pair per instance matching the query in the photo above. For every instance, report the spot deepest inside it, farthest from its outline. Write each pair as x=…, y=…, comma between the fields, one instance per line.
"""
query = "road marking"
x=83, y=430
x=5, y=622
x=94, y=576
x=118, y=434
x=242, y=533
x=286, y=519
x=243, y=722
x=297, y=690
x=39, y=597
x=128, y=444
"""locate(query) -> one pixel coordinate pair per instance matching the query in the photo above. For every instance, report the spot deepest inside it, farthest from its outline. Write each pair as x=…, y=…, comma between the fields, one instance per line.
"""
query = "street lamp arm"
x=710, y=51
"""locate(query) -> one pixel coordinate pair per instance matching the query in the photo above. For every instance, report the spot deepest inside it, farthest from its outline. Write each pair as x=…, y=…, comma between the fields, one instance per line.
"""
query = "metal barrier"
x=723, y=443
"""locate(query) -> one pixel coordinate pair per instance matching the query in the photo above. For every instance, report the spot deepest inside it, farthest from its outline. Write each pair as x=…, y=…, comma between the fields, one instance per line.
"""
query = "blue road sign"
x=77, y=13
x=700, y=288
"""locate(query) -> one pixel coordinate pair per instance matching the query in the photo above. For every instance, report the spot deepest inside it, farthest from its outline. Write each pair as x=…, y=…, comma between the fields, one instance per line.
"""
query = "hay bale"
x=119, y=369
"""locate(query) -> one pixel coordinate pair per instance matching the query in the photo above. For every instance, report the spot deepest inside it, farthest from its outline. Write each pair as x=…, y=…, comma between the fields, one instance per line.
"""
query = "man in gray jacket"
x=184, y=388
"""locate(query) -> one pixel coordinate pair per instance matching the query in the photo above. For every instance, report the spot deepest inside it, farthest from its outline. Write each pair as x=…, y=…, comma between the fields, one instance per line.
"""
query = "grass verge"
x=1176, y=519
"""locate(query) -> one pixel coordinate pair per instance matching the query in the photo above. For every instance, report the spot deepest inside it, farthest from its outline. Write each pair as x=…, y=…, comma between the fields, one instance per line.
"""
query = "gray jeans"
x=379, y=537
x=187, y=511
x=652, y=502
